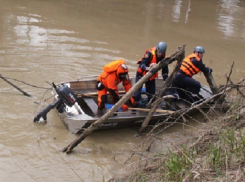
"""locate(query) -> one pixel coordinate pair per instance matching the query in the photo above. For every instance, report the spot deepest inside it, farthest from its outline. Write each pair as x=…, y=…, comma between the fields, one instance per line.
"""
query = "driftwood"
x=146, y=77
x=26, y=94
x=167, y=84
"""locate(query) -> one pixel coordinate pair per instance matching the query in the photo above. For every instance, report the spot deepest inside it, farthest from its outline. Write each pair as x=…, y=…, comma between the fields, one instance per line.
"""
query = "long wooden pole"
x=25, y=93
x=146, y=77
x=148, y=110
x=91, y=94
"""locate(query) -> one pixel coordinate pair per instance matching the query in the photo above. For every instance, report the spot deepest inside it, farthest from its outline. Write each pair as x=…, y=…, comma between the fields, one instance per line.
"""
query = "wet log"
x=146, y=77
x=212, y=84
x=167, y=84
x=213, y=87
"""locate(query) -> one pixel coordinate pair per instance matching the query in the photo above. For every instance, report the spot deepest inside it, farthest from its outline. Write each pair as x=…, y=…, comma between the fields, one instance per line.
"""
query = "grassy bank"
x=217, y=154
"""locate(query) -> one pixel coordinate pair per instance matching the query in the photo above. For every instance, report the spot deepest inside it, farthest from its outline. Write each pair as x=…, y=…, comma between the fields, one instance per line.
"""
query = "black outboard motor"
x=65, y=96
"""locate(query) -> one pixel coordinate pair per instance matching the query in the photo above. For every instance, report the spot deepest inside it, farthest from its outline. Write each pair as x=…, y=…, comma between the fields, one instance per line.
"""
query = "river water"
x=58, y=40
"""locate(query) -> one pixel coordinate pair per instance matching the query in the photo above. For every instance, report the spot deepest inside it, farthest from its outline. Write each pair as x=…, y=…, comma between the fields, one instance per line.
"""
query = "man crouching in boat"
x=114, y=73
x=188, y=88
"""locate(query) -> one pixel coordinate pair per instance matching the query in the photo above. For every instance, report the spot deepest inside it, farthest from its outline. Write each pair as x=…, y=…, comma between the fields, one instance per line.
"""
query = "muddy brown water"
x=55, y=41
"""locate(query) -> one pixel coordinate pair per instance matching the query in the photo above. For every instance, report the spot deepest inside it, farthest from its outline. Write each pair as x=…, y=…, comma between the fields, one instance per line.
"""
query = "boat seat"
x=92, y=104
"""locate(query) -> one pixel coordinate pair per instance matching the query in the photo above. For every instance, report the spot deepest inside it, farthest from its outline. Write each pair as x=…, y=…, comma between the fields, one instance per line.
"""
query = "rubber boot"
x=99, y=113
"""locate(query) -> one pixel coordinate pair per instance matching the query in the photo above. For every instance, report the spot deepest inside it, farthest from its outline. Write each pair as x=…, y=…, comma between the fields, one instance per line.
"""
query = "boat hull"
x=81, y=115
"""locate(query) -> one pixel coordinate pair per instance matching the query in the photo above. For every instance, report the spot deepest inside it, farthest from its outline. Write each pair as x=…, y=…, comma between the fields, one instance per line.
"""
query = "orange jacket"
x=188, y=67
x=110, y=81
x=153, y=60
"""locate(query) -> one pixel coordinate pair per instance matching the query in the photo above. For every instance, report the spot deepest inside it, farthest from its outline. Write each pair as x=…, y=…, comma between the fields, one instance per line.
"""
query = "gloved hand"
x=132, y=101
x=210, y=71
x=147, y=68
x=152, y=64
x=124, y=107
x=165, y=76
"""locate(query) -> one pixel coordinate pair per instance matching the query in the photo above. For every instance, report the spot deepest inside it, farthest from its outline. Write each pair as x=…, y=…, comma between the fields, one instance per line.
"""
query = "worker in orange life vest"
x=152, y=56
x=190, y=66
x=114, y=73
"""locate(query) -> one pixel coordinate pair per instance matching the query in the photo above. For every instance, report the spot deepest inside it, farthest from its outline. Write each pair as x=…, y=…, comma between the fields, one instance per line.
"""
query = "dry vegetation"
x=216, y=154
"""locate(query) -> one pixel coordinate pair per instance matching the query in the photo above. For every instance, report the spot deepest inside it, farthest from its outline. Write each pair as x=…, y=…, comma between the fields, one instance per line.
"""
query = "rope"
x=25, y=93
x=23, y=82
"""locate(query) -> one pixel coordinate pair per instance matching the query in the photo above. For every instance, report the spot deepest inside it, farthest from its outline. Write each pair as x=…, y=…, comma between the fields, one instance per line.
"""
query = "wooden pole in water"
x=26, y=94
x=146, y=77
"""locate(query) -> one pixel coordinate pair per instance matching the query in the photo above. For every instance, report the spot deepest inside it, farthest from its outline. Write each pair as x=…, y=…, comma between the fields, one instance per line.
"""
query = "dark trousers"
x=150, y=87
x=184, y=82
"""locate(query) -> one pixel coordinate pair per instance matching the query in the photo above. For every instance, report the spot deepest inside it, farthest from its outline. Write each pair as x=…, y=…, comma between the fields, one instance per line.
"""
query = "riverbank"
x=215, y=153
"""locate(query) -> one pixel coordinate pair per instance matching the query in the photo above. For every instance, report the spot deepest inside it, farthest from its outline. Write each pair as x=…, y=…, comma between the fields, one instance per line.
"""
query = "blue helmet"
x=199, y=49
x=161, y=47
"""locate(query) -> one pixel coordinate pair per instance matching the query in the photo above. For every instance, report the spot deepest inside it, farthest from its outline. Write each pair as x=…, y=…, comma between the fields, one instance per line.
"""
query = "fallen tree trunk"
x=146, y=77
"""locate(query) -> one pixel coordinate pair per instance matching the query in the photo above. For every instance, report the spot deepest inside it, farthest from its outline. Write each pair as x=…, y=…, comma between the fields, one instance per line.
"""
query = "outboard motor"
x=65, y=96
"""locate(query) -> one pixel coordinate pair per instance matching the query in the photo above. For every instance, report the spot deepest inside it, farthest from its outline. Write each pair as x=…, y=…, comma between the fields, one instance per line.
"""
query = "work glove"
x=147, y=68
x=150, y=66
x=124, y=107
x=132, y=101
x=165, y=76
x=210, y=71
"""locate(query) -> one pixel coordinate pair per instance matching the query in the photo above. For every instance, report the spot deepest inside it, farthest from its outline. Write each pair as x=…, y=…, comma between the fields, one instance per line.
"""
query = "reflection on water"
x=177, y=7
x=35, y=35
x=176, y=10
x=228, y=13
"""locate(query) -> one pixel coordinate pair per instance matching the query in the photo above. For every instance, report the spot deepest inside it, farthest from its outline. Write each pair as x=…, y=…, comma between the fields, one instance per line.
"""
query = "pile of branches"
x=215, y=154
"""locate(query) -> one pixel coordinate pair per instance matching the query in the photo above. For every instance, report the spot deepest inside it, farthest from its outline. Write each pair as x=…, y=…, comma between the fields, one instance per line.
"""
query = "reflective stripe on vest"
x=188, y=67
x=153, y=60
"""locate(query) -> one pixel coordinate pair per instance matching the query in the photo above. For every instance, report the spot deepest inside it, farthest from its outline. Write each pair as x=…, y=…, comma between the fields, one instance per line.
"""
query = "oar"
x=26, y=94
x=148, y=110
x=95, y=94
x=109, y=106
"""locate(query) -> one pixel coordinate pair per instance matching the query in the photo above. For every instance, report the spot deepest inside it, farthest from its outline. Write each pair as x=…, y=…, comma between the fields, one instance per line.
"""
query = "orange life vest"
x=188, y=67
x=109, y=77
x=113, y=66
x=153, y=60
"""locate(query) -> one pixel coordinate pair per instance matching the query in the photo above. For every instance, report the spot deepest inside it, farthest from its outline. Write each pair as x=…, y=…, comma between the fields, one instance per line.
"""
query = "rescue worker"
x=151, y=57
x=183, y=80
x=114, y=73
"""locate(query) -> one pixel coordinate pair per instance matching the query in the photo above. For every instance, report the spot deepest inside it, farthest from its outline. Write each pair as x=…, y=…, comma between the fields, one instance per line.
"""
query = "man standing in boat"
x=152, y=56
x=114, y=73
x=187, y=87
